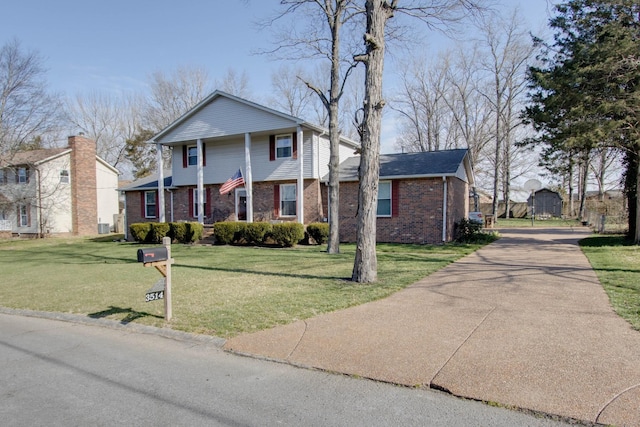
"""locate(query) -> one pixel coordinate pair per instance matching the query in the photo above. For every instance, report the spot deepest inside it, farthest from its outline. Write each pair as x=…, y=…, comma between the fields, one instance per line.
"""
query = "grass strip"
x=617, y=264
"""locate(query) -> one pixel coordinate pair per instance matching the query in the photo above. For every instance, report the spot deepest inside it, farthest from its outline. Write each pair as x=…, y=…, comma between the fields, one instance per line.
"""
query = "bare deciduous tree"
x=234, y=83
x=174, y=94
x=27, y=110
x=378, y=13
x=325, y=41
x=108, y=120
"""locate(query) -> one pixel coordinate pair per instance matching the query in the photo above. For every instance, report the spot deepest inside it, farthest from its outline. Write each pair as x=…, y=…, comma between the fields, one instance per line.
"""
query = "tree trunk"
x=365, y=267
x=636, y=228
x=333, y=243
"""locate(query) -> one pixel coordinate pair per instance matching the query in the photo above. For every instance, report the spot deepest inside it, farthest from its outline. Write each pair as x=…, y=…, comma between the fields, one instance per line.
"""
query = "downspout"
x=171, y=204
x=444, y=209
x=126, y=218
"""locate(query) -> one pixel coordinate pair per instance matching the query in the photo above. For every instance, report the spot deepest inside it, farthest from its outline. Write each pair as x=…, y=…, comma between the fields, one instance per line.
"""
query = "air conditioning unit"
x=103, y=228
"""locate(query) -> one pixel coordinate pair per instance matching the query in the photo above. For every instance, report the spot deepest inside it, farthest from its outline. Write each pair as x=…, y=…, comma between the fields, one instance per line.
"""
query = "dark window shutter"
x=204, y=155
x=142, y=204
x=294, y=145
x=157, y=205
x=191, y=190
x=207, y=206
x=272, y=147
x=395, y=198
x=29, y=215
x=185, y=158
x=276, y=200
x=26, y=172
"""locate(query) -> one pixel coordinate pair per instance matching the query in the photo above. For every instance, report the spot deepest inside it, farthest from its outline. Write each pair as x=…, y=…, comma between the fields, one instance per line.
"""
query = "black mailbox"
x=152, y=254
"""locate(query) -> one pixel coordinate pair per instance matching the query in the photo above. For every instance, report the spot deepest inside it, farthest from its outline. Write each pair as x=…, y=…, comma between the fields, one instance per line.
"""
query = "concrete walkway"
x=523, y=322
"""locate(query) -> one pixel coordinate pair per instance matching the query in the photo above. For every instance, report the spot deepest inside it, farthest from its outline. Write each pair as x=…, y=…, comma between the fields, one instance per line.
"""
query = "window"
x=150, y=204
x=64, y=176
x=3, y=176
x=288, y=200
x=384, y=198
x=284, y=146
x=23, y=175
x=192, y=155
x=195, y=203
x=23, y=213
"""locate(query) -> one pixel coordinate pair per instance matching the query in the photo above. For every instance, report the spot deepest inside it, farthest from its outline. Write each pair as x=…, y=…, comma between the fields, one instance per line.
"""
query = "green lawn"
x=617, y=265
x=217, y=290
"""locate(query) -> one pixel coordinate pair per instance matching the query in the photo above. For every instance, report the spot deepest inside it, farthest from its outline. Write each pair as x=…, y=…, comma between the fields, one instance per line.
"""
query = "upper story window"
x=284, y=146
x=192, y=155
x=23, y=175
x=64, y=176
x=384, y=198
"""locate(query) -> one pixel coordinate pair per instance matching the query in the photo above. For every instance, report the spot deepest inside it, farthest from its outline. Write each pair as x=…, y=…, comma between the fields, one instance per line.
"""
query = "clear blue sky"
x=115, y=45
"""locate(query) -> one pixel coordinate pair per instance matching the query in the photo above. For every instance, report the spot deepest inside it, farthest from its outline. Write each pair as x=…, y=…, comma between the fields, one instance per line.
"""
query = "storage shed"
x=547, y=203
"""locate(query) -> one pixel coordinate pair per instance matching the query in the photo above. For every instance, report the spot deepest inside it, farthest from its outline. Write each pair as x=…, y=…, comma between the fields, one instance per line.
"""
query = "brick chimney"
x=84, y=194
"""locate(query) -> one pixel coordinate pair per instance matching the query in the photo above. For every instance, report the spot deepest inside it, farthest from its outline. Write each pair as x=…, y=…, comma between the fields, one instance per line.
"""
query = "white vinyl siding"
x=226, y=117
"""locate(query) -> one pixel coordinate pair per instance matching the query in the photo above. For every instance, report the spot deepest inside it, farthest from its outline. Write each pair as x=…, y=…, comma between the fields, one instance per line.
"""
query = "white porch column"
x=248, y=179
x=160, y=183
x=300, y=189
x=200, y=183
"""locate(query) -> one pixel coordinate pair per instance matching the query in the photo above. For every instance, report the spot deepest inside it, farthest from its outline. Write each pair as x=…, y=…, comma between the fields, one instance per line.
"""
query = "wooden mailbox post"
x=160, y=258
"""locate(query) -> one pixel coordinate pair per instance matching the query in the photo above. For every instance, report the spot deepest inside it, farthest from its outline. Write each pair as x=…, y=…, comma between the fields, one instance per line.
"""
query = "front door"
x=241, y=204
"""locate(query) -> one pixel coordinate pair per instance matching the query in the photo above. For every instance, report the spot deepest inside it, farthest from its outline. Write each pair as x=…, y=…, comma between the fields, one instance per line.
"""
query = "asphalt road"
x=59, y=373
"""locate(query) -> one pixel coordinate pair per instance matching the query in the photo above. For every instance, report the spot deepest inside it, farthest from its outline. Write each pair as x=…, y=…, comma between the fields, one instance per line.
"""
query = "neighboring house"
x=284, y=160
x=546, y=203
x=58, y=190
x=421, y=196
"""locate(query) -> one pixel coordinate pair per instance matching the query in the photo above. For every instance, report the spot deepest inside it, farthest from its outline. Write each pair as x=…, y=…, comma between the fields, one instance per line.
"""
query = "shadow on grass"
x=131, y=315
x=604, y=240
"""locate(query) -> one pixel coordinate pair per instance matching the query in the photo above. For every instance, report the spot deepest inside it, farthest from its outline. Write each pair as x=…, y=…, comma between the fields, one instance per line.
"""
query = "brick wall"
x=223, y=206
x=84, y=199
x=418, y=218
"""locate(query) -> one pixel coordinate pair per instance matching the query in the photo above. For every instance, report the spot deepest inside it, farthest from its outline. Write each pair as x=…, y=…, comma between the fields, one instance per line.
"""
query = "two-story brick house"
x=284, y=161
x=66, y=190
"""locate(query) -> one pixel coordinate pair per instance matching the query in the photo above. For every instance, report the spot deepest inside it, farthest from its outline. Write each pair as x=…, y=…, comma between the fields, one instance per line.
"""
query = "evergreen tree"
x=585, y=94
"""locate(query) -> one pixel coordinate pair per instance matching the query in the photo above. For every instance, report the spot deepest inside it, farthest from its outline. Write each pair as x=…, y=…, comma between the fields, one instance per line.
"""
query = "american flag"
x=235, y=181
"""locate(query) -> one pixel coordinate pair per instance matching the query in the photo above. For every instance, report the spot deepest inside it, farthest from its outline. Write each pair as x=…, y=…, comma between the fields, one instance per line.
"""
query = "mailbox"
x=152, y=254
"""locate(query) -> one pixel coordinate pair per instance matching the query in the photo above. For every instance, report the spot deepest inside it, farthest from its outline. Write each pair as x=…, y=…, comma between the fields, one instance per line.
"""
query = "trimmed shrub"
x=471, y=232
x=225, y=232
x=139, y=231
x=319, y=231
x=178, y=231
x=193, y=232
x=287, y=234
x=254, y=233
x=158, y=231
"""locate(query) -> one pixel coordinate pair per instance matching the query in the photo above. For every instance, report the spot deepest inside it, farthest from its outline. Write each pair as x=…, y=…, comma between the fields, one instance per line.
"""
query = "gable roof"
x=206, y=120
x=33, y=157
x=412, y=165
x=148, y=183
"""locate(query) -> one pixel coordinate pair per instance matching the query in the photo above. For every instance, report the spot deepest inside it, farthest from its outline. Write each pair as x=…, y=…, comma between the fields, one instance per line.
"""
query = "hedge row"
x=284, y=234
x=153, y=232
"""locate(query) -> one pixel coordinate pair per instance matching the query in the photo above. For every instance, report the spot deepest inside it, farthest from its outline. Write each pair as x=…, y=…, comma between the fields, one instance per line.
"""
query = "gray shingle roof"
x=424, y=164
x=148, y=183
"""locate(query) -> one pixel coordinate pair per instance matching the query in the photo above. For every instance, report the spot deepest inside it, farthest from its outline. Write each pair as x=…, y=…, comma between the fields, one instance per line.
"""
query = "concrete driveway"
x=523, y=322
